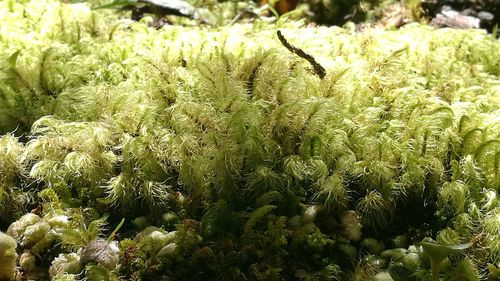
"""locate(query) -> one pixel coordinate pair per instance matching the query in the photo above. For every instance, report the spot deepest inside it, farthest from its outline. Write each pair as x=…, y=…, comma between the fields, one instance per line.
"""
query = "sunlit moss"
x=259, y=161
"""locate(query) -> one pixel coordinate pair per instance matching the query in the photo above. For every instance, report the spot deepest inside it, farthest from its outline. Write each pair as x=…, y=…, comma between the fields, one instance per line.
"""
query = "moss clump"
x=8, y=257
x=233, y=157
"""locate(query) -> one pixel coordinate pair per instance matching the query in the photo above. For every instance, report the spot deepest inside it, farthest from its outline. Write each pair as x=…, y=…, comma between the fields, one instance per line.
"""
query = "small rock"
x=99, y=251
x=451, y=18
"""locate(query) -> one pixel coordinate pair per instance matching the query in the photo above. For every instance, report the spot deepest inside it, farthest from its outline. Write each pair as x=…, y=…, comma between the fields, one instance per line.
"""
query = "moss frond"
x=454, y=196
x=261, y=181
x=332, y=192
x=255, y=216
x=375, y=211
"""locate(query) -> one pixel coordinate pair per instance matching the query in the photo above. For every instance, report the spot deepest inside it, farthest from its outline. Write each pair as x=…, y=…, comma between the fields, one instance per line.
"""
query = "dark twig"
x=251, y=80
x=318, y=69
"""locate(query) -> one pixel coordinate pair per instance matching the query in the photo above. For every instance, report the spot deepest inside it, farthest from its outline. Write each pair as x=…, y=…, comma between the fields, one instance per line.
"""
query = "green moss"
x=258, y=161
x=8, y=256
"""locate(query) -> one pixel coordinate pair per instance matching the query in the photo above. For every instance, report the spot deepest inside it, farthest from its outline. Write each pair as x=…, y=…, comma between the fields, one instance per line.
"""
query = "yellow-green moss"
x=8, y=257
x=240, y=139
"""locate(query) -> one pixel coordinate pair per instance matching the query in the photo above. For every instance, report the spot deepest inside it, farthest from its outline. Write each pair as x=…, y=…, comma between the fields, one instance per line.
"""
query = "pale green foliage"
x=262, y=181
x=12, y=172
x=332, y=192
x=492, y=229
x=98, y=272
x=454, y=196
x=67, y=155
x=64, y=277
x=27, y=262
x=375, y=210
x=80, y=233
x=63, y=227
x=34, y=233
x=17, y=228
x=65, y=264
x=465, y=270
x=229, y=114
x=37, y=67
x=228, y=127
x=8, y=257
x=153, y=239
x=10, y=165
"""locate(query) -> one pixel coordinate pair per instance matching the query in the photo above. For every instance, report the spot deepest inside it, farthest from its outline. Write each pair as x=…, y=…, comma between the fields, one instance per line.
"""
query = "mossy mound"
x=229, y=158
